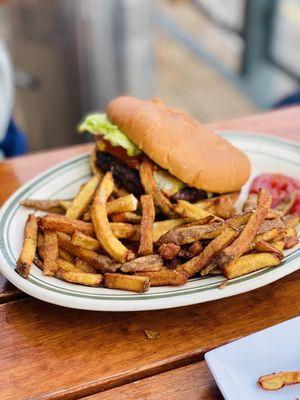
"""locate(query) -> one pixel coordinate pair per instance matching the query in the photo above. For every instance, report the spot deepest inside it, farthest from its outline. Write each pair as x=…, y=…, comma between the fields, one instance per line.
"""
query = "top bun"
x=181, y=145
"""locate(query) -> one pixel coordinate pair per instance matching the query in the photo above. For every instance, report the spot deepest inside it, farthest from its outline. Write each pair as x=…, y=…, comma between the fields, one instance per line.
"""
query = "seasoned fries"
x=249, y=263
x=165, y=277
x=133, y=283
x=50, y=253
x=241, y=244
x=146, y=230
x=84, y=198
x=278, y=380
x=82, y=278
x=29, y=246
x=108, y=237
x=100, y=220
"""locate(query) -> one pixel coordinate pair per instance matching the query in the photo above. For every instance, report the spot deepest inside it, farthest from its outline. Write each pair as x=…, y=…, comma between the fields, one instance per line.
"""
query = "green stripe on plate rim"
x=10, y=211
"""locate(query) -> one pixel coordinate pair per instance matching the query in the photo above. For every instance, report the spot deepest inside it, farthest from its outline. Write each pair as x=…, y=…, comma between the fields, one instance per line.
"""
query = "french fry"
x=119, y=191
x=278, y=380
x=132, y=283
x=290, y=232
x=290, y=241
x=122, y=230
x=267, y=236
x=160, y=228
x=278, y=245
x=29, y=246
x=84, y=266
x=88, y=242
x=168, y=251
x=291, y=221
x=250, y=263
x=146, y=229
x=242, y=242
x=40, y=245
x=224, y=207
x=206, y=203
x=83, y=198
x=286, y=204
x=61, y=223
x=188, y=210
x=99, y=262
x=87, y=216
x=67, y=266
x=265, y=247
x=271, y=224
x=127, y=217
x=38, y=262
x=192, y=250
x=122, y=204
x=53, y=206
x=81, y=278
x=150, y=186
x=152, y=262
x=165, y=277
x=50, y=253
x=65, y=255
x=65, y=204
x=250, y=203
x=214, y=247
x=101, y=224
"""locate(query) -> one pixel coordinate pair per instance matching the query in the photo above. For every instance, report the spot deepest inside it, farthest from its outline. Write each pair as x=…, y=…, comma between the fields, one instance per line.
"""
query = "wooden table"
x=51, y=352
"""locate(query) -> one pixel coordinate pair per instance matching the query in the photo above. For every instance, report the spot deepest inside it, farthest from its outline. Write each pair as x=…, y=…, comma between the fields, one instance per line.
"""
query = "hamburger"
x=190, y=162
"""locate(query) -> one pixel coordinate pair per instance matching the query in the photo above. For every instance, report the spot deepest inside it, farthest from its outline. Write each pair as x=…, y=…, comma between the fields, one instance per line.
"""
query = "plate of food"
x=163, y=213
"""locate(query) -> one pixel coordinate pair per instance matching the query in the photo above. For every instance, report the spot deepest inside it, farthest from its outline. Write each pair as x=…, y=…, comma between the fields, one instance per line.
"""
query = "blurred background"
x=215, y=59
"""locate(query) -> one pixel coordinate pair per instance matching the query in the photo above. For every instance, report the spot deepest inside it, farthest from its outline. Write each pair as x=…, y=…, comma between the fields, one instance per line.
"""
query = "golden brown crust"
x=180, y=144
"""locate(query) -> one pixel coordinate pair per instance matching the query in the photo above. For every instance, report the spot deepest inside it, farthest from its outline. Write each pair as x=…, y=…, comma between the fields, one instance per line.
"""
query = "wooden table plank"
x=192, y=382
x=51, y=352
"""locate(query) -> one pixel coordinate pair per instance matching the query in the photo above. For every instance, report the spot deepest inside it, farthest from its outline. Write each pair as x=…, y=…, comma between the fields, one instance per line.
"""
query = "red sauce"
x=279, y=186
x=121, y=153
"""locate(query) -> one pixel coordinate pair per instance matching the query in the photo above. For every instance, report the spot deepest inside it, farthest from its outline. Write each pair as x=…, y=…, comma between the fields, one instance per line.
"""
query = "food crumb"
x=223, y=285
x=152, y=334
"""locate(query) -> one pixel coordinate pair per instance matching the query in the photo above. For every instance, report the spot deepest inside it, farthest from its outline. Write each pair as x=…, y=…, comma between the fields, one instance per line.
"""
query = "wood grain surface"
x=192, y=382
x=51, y=352
x=59, y=353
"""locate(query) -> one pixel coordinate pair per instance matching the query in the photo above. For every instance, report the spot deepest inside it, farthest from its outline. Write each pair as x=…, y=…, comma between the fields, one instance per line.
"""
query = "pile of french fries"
x=107, y=237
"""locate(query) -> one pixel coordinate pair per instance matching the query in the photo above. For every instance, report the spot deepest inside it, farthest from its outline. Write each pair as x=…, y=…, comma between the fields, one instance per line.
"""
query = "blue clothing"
x=15, y=142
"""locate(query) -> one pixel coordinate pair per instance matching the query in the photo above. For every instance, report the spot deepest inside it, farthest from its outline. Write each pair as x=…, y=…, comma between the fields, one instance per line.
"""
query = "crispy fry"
x=249, y=263
x=166, y=277
x=188, y=210
x=122, y=230
x=85, y=241
x=192, y=250
x=271, y=224
x=290, y=241
x=224, y=207
x=53, y=206
x=132, y=283
x=82, y=278
x=267, y=236
x=65, y=204
x=122, y=204
x=263, y=246
x=242, y=242
x=290, y=232
x=168, y=251
x=152, y=262
x=150, y=186
x=65, y=255
x=278, y=380
x=40, y=245
x=210, y=269
x=291, y=221
x=84, y=266
x=87, y=216
x=206, y=203
x=38, y=262
x=60, y=223
x=67, y=266
x=250, y=203
x=50, y=253
x=99, y=262
x=119, y=191
x=195, y=265
x=286, y=204
x=127, y=217
x=101, y=224
x=278, y=245
x=160, y=228
x=146, y=230
x=83, y=198
x=29, y=246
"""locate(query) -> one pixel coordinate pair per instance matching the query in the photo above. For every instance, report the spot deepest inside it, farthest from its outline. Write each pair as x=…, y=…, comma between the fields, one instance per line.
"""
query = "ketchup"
x=279, y=186
x=121, y=153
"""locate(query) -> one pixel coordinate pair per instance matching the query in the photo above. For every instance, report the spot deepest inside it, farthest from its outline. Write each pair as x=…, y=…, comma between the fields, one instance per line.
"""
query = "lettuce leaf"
x=99, y=124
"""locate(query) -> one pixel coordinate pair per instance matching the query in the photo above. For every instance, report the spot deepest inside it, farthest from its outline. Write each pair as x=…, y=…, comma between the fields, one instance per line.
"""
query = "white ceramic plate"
x=267, y=154
x=237, y=366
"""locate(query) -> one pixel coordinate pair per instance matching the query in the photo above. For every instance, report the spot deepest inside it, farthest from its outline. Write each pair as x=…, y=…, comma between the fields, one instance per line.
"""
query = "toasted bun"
x=181, y=145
